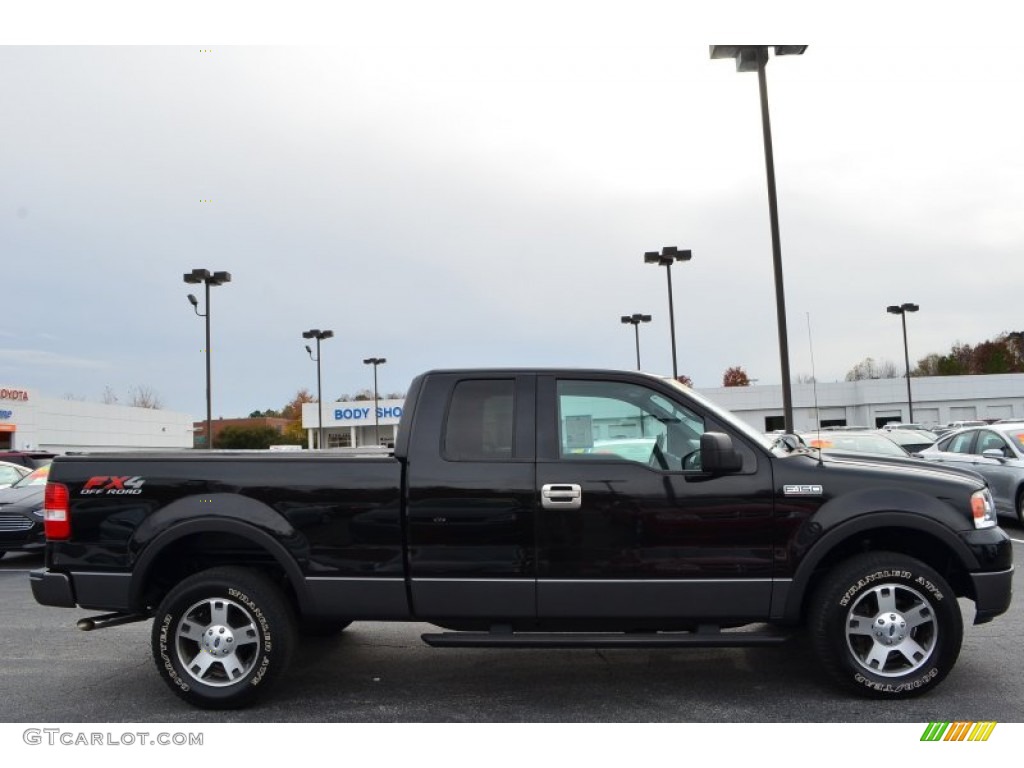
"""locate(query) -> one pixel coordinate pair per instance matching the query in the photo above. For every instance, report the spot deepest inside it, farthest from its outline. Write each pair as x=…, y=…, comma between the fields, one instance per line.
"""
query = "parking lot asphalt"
x=375, y=672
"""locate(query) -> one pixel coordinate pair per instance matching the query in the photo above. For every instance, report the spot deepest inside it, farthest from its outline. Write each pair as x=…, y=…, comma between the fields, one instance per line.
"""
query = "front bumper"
x=992, y=594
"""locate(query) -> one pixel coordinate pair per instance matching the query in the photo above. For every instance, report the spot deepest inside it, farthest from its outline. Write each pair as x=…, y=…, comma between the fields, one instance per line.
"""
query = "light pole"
x=750, y=58
x=316, y=333
x=195, y=277
x=635, y=320
x=902, y=310
x=375, y=361
x=668, y=255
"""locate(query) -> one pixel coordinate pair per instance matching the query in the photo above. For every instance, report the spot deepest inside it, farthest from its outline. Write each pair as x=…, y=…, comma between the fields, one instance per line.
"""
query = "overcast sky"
x=471, y=188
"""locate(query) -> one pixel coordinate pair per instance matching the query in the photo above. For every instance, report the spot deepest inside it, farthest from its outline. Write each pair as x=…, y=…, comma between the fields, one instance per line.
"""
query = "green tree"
x=242, y=438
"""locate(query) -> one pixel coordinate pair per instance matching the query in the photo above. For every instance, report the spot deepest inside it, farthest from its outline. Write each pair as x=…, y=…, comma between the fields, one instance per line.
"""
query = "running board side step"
x=703, y=638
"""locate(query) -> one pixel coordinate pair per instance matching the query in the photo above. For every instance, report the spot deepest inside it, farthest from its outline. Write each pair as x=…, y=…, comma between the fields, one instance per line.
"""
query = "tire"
x=322, y=627
x=222, y=636
x=885, y=626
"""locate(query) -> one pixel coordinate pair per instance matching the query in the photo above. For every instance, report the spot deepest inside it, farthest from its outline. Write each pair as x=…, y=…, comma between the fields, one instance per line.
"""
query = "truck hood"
x=889, y=465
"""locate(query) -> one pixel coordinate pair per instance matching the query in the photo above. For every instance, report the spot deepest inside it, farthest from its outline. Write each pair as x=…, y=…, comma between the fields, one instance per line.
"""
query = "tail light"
x=56, y=512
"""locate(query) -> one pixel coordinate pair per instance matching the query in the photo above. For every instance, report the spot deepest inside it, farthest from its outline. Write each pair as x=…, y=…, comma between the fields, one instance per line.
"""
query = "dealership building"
x=31, y=422
x=869, y=403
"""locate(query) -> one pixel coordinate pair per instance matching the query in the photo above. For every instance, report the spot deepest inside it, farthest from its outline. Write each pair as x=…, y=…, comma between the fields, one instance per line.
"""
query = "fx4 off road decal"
x=112, y=486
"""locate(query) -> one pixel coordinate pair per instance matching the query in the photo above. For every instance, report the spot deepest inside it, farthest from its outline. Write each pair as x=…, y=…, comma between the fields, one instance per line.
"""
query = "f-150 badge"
x=802, y=490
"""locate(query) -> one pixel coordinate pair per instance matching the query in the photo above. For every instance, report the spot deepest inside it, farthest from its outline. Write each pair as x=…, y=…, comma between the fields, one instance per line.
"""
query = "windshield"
x=726, y=416
x=37, y=477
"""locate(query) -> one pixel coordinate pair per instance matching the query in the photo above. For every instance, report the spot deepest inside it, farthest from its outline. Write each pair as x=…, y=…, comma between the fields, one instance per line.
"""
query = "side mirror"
x=717, y=454
x=994, y=453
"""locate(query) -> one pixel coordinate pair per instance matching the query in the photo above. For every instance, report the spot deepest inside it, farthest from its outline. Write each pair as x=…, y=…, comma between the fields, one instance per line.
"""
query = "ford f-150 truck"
x=530, y=509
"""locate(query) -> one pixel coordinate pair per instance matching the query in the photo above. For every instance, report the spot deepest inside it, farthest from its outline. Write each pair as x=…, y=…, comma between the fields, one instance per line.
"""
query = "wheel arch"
x=195, y=545
x=913, y=535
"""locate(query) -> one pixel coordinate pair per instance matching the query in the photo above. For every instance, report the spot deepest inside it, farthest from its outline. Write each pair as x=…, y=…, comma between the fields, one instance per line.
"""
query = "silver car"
x=994, y=451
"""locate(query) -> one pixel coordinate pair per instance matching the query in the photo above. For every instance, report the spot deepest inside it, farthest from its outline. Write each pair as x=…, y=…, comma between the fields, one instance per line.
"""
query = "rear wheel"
x=222, y=636
x=886, y=625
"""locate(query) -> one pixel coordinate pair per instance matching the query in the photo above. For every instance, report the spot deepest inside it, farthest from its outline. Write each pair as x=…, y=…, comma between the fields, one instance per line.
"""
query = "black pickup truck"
x=530, y=509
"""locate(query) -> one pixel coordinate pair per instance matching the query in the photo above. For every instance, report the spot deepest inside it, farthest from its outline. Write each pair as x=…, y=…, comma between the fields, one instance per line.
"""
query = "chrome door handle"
x=561, y=496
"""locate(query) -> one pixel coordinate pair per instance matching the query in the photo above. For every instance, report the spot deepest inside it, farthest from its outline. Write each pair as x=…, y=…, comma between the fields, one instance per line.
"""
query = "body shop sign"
x=13, y=394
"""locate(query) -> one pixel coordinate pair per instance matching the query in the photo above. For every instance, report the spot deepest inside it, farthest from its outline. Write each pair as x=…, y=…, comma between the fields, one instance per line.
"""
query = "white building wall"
x=60, y=426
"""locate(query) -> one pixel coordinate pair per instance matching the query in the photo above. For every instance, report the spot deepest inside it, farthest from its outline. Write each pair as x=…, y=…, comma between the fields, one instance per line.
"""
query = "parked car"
x=21, y=513
x=30, y=459
x=912, y=440
x=953, y=426
x=901, y=425
x=994, y=451
x=871, y=443
x=10, y=473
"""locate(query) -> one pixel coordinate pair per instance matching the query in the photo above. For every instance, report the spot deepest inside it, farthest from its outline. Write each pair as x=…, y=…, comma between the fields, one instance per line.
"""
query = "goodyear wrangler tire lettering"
x=883, y=625
x=223, y=635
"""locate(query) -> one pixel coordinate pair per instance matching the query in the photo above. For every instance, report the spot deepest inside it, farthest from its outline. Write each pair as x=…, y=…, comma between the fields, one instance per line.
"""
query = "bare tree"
x=869, y=368
x=109, y=396
x=73, y=396
x=143, y=396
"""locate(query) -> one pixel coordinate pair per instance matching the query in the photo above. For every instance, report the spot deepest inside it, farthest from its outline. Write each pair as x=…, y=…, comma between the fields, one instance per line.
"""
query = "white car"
x=11, y=473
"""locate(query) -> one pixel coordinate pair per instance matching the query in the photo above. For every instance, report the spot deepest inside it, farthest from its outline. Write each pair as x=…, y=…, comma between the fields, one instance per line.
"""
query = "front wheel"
x=222, y=636
x=886, y=625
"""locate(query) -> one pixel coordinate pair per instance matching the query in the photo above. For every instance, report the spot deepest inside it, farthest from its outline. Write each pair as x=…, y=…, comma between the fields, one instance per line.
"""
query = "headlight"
x=983, y=508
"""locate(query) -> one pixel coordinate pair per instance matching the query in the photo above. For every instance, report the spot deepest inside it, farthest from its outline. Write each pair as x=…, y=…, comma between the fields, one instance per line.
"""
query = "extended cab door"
x=630, y=526
x=471, y=498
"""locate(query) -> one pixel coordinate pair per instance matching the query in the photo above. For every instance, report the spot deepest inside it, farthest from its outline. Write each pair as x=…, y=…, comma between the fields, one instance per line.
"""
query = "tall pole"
x=316, y=333
x=906, y=359
x=375, y=361
x=901, y=310
x=376, y=409
x=636, y=328
x=749, y=58
x=319, y=400
x=209, y=386
x=208, y=278
x=671, y=323
x=773, y=215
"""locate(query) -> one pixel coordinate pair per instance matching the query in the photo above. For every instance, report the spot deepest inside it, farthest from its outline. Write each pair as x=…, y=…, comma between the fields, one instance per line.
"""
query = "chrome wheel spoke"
x=192, y=631
x=233, y=666
x=877, y=657
x=886, y=597
x=200, y=664
x=912, y=652
x=246, y=635
x=219, y=612
x=920, y=614
x=860, y=625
